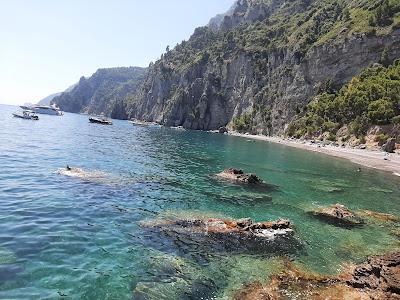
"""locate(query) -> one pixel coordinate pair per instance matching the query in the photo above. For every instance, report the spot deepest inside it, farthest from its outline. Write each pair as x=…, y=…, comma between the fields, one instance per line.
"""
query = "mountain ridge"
x=256, y=67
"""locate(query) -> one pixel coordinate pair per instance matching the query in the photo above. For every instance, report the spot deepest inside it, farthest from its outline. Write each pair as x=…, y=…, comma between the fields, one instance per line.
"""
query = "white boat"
x=44, y=110
x=27, y=115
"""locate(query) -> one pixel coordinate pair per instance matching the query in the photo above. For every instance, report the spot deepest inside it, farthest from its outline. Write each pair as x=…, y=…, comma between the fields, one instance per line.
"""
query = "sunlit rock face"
x=378, y=278
x=224, y=71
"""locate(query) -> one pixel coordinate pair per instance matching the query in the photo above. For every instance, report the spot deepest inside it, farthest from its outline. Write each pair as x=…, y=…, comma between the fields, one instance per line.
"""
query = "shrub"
x=332, y=137
x=396, y=120
x=373, y=97
x=359, y=126
x=381, y=138
x=381, y=111
x=243, y=123
x=383, y=14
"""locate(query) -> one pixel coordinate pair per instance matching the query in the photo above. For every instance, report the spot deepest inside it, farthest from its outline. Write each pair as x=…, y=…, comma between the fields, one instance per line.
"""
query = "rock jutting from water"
x=338, y=214
x=86, y=175
x=378, y=278
x=239, y=176
x=217, y=234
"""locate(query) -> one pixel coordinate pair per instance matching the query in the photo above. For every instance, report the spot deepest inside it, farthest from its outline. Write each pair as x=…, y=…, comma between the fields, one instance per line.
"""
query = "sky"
x=47, y=45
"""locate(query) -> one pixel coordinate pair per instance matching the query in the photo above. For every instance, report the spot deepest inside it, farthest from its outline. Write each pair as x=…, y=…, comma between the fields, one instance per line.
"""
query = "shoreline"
x=365, y=157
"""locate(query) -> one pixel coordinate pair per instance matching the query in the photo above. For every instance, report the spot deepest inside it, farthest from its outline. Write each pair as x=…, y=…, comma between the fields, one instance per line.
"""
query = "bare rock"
x=390, y=145
x=378, y=278
x=379, y=273
x=223, y=130
x=338, y=214
x=237, y=175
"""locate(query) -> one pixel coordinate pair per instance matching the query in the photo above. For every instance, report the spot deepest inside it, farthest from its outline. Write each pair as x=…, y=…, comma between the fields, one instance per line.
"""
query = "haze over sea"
x=82, y=239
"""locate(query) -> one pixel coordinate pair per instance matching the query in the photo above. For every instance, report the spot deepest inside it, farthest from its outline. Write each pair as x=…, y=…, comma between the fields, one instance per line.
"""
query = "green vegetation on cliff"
x=105, y=92
x=372, y=98
x=256, y=68
x=298, y=23
x=242, y=67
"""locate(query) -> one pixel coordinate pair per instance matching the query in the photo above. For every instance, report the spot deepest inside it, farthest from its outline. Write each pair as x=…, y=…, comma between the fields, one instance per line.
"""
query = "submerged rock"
x=245, y=199
x=379, y=216
x=217, y=234
x=82, y=174
x=6, y=256
x=237, y=175
x=338, y=215
x=378, y=278
x=173, y=277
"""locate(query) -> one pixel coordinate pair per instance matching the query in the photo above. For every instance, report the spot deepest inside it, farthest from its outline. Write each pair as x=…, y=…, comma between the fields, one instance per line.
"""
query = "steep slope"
x=105, y=92
x=48, y=99
x=370, y=99
x=259, y=65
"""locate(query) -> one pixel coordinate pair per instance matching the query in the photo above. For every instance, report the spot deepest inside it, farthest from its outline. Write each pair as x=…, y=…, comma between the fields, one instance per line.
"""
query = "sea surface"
x=65, y=237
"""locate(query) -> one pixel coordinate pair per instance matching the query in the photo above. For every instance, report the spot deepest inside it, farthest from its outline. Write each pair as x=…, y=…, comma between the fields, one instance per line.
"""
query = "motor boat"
x=101, y=121
x=44, y=110
x=27, y=115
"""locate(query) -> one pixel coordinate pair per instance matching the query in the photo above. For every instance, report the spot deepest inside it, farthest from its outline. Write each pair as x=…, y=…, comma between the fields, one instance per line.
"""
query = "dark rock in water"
x=390, y=145
x=237, y=175
x=222, y=235
x=338, y=215
x=223, y=130
x=378, y=278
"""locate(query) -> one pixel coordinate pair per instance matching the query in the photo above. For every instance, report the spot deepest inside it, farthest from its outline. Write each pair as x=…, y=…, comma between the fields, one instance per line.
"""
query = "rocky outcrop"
x=227, y=227
x=379, y=274
x=390, y=145
x=215, y=234
x=223, y=130
x=378, y=278
x=239, y=176
x=338, y=214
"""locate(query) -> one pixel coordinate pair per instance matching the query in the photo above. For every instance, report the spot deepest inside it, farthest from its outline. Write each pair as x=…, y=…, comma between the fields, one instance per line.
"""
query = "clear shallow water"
x=65, y=237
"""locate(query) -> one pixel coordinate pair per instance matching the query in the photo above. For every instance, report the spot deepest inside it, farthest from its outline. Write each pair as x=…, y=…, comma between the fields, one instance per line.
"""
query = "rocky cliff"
x=260, y=64
x=48, y=99
x=105, y=92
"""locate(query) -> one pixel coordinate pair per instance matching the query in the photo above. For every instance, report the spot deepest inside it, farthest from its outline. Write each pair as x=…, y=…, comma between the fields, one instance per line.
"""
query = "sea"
x=97, y=236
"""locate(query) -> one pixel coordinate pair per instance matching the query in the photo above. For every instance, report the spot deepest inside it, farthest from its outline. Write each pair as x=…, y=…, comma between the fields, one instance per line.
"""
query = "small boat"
x=101, y=121
x=27, y=115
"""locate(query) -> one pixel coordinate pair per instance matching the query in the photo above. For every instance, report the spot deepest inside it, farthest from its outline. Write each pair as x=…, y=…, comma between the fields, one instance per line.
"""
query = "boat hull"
x=35, y=118
x=99, y=121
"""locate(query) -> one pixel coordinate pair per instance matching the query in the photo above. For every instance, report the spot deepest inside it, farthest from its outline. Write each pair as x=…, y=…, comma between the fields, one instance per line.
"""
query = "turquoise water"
x=63, y=237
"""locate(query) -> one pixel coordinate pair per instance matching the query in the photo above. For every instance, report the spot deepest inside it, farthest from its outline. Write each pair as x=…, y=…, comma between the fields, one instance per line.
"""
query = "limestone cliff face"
x=269, y=85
